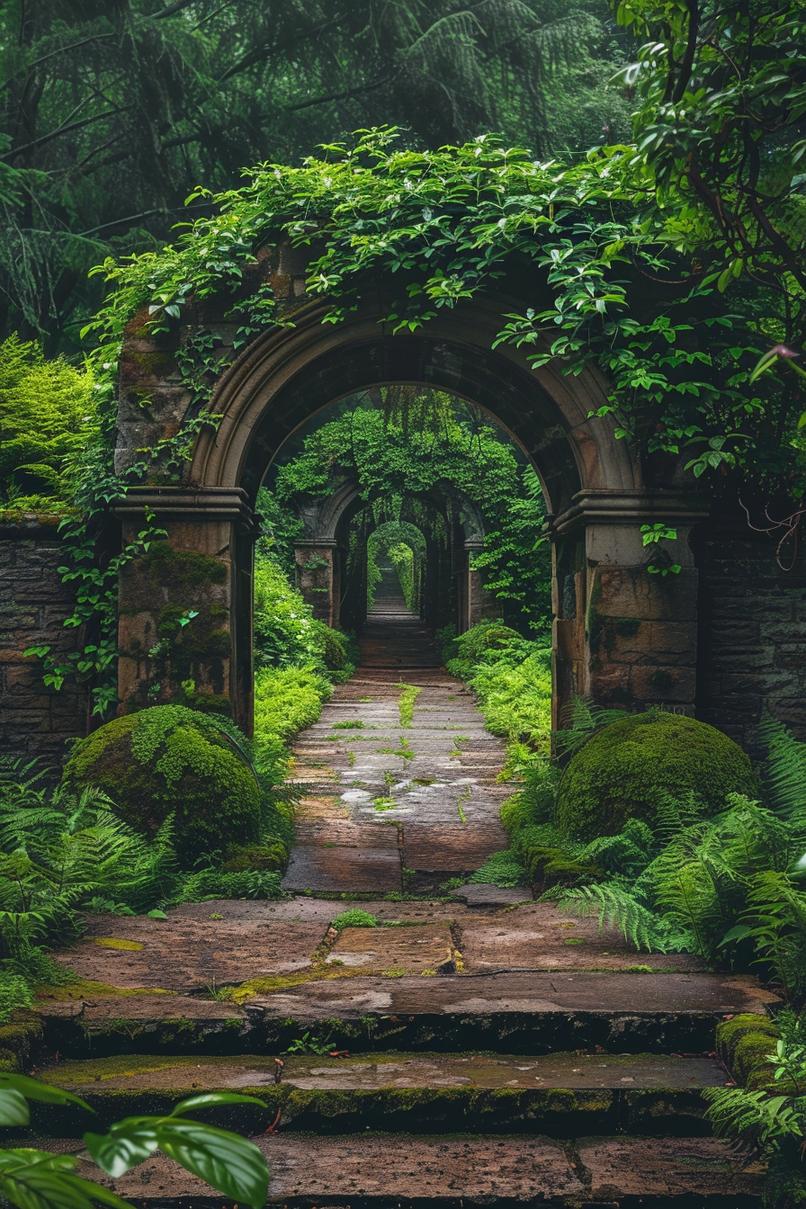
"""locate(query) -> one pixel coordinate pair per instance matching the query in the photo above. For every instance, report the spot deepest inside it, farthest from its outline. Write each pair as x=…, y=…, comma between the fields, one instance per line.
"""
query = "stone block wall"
x=34, y=720
x=752, y=645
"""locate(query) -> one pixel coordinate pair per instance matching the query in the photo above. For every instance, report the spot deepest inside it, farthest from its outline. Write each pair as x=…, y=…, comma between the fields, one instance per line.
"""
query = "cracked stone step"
x=560, y=1094
x=533, y=1012
x=377, y=1171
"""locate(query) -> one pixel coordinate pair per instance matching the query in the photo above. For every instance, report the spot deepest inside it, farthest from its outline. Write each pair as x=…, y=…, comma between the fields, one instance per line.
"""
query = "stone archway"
x=320, y=556
x=620, y=636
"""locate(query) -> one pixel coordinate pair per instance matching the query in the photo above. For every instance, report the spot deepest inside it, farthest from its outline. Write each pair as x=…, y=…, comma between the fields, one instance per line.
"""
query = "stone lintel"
x=188, y=503
x=314, y=543
x=617, y=507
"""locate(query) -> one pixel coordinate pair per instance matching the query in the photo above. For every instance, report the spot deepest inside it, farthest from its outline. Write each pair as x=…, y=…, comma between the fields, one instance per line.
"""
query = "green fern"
x=615, y=906
x=585, y=718
x=753, y=1117
x=212, y=883
x=784, y=771
x=775, y=922
x=60, y=852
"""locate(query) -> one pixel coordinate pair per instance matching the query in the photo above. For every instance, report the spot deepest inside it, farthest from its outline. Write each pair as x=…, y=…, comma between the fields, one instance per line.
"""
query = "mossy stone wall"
x=35, y=720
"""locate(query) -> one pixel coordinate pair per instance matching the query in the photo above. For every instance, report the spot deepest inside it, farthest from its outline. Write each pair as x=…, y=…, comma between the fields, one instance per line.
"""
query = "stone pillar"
x=622, y=636
x=185, y=604
x=477, y=603
x=317, y=561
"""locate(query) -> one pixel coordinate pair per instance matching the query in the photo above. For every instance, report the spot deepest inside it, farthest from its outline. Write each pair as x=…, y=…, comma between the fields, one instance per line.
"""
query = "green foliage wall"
x=47, y=418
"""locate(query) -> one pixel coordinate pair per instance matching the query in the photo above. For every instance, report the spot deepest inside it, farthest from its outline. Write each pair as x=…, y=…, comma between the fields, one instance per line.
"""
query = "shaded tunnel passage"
x=393, y=635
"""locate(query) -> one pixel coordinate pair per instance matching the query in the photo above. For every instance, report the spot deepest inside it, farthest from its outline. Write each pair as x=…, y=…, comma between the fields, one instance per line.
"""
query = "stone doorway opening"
x=403, y=503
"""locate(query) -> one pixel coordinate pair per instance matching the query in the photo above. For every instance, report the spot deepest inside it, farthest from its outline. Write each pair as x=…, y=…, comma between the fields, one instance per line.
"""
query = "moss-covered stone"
x=172, y=760
x=163, y=567
x=745, y=1044
x=256, y=856
x=626, y=768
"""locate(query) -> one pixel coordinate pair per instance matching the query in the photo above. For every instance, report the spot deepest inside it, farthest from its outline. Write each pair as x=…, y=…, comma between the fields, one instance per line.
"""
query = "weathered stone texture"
x=34, y=720
x=752, y=635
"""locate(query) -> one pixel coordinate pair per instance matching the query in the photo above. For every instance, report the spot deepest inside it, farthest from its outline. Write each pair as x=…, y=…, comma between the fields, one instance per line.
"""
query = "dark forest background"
x=114, y=109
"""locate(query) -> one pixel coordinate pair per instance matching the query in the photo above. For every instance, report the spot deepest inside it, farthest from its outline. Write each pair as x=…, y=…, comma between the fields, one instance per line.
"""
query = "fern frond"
x=614, y=906
x=784, y=771
x=585, y=718
x=752, y=1118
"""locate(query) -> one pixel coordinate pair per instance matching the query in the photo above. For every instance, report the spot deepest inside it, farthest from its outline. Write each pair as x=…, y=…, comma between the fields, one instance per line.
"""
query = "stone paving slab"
x=346, y=832
x=187, y=953
x=254, y=1072
x=415, y=949
x=665, y=1169
x=442, y=848
x=381, y=1171
x=539, y=936
x=535, y=994
x=341, y=868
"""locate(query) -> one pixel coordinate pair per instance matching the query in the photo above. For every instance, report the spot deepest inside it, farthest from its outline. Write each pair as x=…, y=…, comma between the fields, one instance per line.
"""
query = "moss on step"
x=87, y=988
x=745, y=1044
x=116, y=942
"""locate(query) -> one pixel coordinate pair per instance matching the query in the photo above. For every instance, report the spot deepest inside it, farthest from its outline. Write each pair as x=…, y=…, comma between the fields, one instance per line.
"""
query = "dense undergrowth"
x=717, y=873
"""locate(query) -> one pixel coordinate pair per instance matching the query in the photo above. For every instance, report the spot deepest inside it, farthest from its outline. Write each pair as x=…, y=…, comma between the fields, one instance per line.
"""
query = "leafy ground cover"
x=711, y=870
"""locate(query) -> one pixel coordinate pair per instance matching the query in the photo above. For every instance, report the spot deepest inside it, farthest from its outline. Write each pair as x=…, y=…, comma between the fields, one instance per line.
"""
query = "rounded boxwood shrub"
x=333, y=645
x=626, y=768
x=172, y=760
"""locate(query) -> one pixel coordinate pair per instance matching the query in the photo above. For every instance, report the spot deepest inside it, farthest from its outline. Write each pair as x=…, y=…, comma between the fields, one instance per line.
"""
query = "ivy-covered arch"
x=286, y=377
x=606, y=608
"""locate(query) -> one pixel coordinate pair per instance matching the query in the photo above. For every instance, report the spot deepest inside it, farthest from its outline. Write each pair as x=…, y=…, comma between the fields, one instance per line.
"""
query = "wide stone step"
x=559, y=1094
x=381, y=1171
x=534, y=1012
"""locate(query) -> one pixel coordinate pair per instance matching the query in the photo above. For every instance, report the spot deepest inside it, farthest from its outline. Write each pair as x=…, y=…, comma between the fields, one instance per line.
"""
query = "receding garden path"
x=399, y=777
x=482, y=1049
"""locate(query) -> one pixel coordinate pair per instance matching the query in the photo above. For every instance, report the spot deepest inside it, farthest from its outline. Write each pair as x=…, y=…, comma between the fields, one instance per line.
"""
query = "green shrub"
x=15, y=993
x=285, y=632
x=623, y=770
x=333, y=647
x=267, y=856
x=482, y=643
x=47, y=417
x=516, y=700
x=354, y=918
x=170, y=760
x=217, y=883
x=286, y=700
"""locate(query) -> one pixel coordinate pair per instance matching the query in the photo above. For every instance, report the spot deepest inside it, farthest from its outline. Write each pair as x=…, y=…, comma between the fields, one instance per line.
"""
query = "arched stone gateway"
x=620, y=636
x=453, y=591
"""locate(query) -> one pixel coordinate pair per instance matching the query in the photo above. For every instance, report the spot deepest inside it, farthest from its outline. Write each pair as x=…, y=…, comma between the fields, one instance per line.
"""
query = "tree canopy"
x=112, y=112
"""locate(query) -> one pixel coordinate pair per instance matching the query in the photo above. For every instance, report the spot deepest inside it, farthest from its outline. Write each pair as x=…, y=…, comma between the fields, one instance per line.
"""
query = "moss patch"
x=627, y=767
x=745, y=1045
x=114, y=942
x=172, y=760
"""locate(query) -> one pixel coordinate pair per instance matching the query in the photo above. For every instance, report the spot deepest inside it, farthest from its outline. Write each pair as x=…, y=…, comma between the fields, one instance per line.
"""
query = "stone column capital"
x=196, y=504
x=618, y=507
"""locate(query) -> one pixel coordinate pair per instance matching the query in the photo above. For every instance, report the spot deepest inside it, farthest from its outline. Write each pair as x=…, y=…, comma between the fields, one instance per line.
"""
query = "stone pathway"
x=485, y=1050
x=399, y=777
